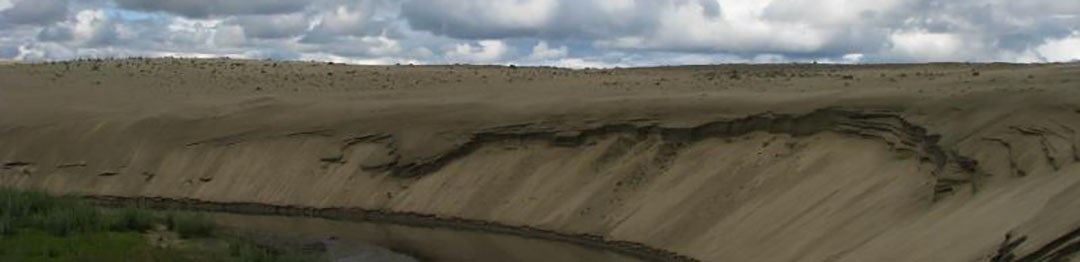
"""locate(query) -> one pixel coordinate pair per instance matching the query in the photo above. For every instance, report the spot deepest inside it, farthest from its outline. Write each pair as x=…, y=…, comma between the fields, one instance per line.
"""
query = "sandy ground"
x=929, y=162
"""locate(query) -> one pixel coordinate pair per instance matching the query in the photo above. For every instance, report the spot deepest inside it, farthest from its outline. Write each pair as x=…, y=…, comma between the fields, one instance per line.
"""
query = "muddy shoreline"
x=633, y=249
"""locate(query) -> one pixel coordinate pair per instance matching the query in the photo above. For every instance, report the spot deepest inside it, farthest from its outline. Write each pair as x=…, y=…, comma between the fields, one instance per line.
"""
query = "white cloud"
x=925, y=46
x=381, y=45
x=358, y=61
x=852, y=58
x=541, y=51
x=738, y=27
x=344, y=20
x=186, y=54
x=92, y=27
x=28, y=53
x=579, y=63
x=1061, y=50
x=486, y=51
x=577, y=33
x=769, y=58
x=191, y=32
x=229, y=36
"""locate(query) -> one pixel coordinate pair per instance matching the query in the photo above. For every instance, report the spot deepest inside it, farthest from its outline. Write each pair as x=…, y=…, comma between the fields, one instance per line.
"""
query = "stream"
x=382, y=242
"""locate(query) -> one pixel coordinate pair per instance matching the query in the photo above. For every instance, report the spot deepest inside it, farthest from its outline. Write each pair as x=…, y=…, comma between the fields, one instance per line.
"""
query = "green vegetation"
x=190, y=225
x=36, y=226
x=36, y=210
x=134, y=219
x=32, y=245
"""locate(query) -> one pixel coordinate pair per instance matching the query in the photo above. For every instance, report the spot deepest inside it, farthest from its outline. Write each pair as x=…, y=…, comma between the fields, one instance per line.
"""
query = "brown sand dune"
x=930, y=162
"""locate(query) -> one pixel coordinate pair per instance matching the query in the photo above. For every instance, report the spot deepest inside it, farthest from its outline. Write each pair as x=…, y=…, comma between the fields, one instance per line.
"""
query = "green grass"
x=36, y=226
x=34, y=245
x=134, y=219
x=58, y=215
x=190, y=225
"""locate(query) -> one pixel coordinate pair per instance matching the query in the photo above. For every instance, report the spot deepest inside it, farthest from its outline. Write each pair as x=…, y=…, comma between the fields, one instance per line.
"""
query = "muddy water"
x=362, y=241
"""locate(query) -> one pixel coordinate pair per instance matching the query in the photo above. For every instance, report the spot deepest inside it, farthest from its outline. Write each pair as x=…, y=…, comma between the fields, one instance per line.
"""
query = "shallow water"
x=364, y=241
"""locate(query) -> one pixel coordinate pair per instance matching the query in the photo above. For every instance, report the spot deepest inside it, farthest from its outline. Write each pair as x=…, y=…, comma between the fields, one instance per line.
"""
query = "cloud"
x=208, y=8
x=55, y=34
x=344, y=21
x=738, y=29
x=576, y=33
x=927, y=46
x=229, y=36
x=679, y=25
x=93, y=28
x=1061, y=50
x=485, y=51
x=480, y=19
x=272, y=26
x=541, y=51
x=354, y=46
x=36, y=12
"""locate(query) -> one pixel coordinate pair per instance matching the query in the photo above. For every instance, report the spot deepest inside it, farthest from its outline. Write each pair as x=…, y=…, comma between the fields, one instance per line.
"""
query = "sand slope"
x=720, y=163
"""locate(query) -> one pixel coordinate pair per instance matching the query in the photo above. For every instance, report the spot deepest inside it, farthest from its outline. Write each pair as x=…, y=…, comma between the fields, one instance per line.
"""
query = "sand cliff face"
x=725, y=163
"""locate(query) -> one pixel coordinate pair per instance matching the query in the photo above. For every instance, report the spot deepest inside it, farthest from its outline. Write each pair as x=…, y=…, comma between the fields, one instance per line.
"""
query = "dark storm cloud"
x=207, y=8
x=273, y=26
x=9, y=52
x=1009, y=26
x=36, y=12
x=55, y=34
x=587, y=19
x=532, y=18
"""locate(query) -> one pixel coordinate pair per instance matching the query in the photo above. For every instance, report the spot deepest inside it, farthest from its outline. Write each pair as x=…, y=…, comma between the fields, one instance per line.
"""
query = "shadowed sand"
x=927, y=162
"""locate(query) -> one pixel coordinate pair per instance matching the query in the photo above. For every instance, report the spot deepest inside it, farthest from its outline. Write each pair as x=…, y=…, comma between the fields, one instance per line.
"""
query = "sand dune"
x=929, y=162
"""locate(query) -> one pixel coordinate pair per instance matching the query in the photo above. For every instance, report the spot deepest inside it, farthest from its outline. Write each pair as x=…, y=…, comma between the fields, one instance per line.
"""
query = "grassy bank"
x=35, y=226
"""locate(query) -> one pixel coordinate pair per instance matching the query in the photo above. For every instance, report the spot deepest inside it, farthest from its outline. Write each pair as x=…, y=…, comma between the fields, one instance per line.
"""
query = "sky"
x=565, y=33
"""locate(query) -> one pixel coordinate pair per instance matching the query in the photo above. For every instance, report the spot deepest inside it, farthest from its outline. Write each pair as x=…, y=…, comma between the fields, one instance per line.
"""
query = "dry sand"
x=931, y=162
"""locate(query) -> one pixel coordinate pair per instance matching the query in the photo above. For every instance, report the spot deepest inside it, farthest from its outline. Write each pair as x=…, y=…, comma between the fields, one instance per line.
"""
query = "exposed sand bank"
x=722, y=163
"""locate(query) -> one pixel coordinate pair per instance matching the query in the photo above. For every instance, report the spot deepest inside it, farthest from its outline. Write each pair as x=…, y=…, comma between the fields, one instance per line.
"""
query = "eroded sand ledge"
x=724, y=163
